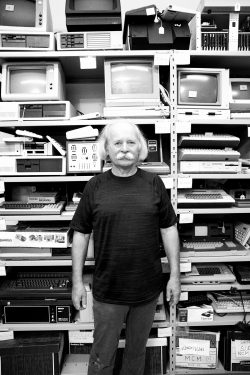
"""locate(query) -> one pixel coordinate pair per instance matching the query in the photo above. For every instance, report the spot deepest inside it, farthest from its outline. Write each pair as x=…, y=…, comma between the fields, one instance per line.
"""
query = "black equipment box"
x=32, y=353
x=142, y=32
x=93, y=15
x=234, y=350
x=25, y=311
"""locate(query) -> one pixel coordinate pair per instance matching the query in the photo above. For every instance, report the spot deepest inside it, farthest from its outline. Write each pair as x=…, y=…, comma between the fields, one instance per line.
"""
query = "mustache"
x=125, y=155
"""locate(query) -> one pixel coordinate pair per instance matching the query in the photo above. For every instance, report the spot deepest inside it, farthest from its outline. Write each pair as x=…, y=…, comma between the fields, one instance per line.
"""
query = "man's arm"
x=79, y=254
x=170, y=239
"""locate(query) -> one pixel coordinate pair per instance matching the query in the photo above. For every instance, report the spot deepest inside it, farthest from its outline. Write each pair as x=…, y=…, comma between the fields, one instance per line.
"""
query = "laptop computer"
x=206, y=239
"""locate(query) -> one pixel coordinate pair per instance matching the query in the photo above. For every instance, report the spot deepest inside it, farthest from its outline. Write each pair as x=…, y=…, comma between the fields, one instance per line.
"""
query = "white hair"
x=104, y=138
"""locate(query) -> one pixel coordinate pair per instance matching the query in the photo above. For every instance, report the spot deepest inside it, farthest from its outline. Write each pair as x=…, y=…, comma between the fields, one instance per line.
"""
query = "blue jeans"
x=109, y=319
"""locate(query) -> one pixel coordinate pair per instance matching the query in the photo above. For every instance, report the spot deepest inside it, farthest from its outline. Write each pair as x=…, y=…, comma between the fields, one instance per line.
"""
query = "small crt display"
x=240, y=90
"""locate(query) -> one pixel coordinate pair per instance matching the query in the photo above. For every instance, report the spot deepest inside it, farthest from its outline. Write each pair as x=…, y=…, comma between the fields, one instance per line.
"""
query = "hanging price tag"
x=237, y=7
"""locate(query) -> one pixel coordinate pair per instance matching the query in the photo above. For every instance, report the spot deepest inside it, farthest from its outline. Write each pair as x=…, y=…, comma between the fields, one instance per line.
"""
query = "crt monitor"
x=203, y=88
x=32, y=81
x=25, y=15
x=240, y=94
x=93, y=15
x=131, y=82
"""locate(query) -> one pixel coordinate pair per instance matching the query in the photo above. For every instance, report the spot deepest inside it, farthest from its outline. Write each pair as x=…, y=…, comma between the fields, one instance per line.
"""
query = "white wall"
x=58, y=8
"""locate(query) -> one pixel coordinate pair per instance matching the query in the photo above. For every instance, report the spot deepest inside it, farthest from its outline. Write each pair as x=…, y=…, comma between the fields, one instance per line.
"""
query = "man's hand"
x=79, y=296
x=173, y=290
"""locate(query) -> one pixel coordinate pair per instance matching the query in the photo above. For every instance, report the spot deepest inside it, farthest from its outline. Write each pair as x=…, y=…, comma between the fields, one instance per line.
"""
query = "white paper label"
x=192, y=94
x=161, y=58
x=2, y=224
x=194, y=347
x=164, y=332
x=162, y=126
x=183, y=127
x=242, y=349
x=185, y=182
x=150, y=11
x=10, y=7
x=186, y=218
x=2, y=271
x=168, y=182
x=88, y=62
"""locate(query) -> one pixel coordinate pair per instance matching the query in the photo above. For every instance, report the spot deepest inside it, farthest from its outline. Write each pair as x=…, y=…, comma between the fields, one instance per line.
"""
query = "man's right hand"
x=79, y=296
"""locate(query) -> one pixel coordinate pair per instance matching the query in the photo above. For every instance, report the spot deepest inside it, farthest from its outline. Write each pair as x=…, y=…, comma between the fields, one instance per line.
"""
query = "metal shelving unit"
x=70, y=62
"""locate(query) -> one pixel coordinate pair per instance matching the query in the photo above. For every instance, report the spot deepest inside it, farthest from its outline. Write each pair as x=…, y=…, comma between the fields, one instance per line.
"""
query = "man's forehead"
x=121, y=130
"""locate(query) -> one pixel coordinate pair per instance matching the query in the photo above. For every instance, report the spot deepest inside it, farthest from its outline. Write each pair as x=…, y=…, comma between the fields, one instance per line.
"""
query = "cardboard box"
x=235, y=351
x=197, y=349
x=203, y=313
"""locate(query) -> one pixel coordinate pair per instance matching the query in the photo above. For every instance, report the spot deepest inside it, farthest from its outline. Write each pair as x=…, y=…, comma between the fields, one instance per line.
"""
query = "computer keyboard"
x=208, y=140
x=203, y=196
x=231, y=305
x=22, y=208
x=36, y=283
x=209, y=270
x=200, y=245
x=39, y=283
x=208, y=154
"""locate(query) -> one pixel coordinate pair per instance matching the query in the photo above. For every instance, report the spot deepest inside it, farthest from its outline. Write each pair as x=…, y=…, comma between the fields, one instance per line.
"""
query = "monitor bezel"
x=223, y=88
x=239, y=104
x=123, y=100
x=55, y=85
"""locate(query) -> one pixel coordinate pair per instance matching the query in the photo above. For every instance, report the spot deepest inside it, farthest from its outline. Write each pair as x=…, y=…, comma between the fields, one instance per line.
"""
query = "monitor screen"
x=29, y=81
x=203, y=87
x=198, y=88
x=24, y=15
x=131, y=82
x=18, y=13
x=93, y=5
x=240, y=94
x=131, y=78
x=240, y=89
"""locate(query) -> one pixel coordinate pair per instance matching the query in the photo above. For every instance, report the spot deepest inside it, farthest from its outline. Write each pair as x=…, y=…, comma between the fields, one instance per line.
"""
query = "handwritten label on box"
x=194, y=347
x=242, y=349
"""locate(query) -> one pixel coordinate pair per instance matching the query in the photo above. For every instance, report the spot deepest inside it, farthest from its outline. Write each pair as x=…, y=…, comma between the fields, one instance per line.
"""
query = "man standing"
x=128, y=210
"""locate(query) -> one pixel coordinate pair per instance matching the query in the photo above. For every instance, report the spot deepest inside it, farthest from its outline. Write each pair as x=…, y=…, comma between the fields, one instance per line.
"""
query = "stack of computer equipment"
x=149, y=28
x=26, y=25
x=91, y=25
x=208, y=153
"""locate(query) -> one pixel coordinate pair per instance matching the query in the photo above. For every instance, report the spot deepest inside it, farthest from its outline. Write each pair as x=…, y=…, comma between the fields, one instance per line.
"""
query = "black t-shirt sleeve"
x=82, y=219
x=167, y=216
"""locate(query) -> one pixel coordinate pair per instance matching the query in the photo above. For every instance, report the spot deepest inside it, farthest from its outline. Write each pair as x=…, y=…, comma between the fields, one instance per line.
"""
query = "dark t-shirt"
x=125, y=214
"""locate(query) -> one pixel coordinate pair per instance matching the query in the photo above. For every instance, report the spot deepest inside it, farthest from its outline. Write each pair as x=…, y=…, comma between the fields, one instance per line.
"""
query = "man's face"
x=123, y=146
